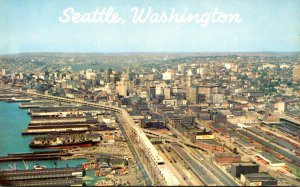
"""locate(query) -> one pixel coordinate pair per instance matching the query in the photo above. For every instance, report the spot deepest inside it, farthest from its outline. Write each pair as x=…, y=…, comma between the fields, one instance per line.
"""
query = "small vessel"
x=37, y=166
x=19, y=99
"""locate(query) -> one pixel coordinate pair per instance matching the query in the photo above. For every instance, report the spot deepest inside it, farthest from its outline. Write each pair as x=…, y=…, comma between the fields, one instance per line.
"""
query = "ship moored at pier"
x=61, y=141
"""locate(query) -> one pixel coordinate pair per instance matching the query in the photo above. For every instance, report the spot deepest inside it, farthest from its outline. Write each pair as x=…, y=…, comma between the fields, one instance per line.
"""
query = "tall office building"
x=189, y=81
x=152, y=91
x=108, y=73
x=158, y=90
x=122, y=87
x=201, y=71
x=167, y=93
x=180, y=68
x=296, y=73
x=90, y=75
x=227, y=66
x=3, y=72
x=205, y=90
x=115, y=77
x=192, y=95
x=168, y=75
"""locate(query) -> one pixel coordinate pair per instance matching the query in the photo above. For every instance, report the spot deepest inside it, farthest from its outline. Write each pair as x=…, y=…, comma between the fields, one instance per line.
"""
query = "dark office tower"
x=109, y=70
x=115, y=77
x=152, y=92
x=192, y=96
x=63, y=75
x=136, y=81
x=58, y=73
x=131, y=76
x=108, y=73
x=107, y=77
x=128, y=70
x=47, y=75
x=201, y=98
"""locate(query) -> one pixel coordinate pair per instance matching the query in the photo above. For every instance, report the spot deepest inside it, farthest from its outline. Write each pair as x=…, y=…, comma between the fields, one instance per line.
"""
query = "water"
x=13, y=121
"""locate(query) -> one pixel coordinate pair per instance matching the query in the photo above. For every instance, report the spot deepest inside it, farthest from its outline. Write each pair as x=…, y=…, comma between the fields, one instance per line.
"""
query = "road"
x=223, y=177
x=195, y=167
x=215, y=170
x=148, y=181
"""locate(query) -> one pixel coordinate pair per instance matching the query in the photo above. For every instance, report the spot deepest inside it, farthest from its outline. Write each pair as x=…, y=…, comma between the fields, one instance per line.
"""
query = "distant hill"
x=75, y=54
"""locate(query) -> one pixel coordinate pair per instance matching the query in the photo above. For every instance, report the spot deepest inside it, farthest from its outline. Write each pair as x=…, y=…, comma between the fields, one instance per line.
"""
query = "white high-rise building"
x=167, y=75
x=158, y=90
x=201, y=71
x=3, y=72
x=190, y=73
x=227, y=65
x=180, y=68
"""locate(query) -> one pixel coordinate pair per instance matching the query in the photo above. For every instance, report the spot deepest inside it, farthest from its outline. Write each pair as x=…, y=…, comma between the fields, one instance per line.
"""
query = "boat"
x=19, y=99
x=61, y=141
x=37, y=167
x=60, y=144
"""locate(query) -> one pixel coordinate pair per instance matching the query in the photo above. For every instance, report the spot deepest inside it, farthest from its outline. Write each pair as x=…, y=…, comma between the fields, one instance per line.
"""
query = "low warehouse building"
x=258, y=179
x=227, y=158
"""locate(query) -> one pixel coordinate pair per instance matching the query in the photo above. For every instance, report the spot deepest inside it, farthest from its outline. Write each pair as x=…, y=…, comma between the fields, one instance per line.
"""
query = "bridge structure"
x=163, y=172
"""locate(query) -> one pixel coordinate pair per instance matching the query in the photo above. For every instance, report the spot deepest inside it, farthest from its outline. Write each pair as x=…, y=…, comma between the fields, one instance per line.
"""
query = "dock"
x=47, y=155
x=55, y=176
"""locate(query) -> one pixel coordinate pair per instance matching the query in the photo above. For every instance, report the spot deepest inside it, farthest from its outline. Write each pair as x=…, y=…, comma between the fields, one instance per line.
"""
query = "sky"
x=34, y=26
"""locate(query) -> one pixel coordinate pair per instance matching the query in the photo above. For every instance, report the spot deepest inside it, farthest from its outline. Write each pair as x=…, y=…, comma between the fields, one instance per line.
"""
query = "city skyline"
x=172, y=119
x=33, y=26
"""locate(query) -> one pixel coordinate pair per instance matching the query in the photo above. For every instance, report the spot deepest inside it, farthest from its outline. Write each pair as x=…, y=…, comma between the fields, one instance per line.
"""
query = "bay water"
x=13, y=121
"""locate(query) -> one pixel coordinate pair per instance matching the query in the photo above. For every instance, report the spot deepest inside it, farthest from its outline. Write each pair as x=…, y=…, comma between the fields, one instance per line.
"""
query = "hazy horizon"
x=154, y=52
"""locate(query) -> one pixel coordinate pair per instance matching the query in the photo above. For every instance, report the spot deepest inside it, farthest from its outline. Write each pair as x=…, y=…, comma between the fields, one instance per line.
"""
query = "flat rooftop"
x=259, y=176
x=244, y=164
